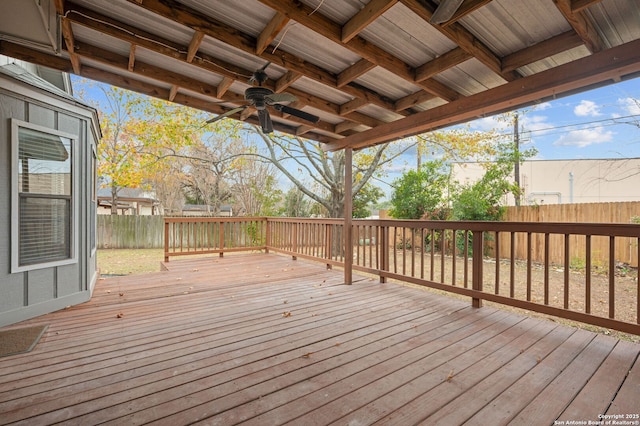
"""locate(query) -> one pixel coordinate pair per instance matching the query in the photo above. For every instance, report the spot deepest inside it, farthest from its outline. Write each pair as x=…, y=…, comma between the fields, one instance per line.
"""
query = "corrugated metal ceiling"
x=371, y=70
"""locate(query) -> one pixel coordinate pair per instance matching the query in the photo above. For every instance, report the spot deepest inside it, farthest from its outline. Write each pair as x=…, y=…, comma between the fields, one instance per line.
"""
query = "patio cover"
x=372, y=71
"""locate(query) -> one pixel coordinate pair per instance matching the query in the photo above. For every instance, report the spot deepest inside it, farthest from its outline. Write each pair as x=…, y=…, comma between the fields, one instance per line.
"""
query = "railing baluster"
x=512, y=264
x=433, y=242
x=529, y=256
x=546, y=268
x=466, y=259
x=453, y=256
x=442, y=248
x=476, y=280
x=612, y=277
x=566, y=270
x=587, y=272
x=497, y=283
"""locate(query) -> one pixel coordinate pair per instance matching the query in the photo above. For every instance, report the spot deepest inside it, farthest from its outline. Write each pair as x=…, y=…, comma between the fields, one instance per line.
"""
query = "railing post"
x=476, y=278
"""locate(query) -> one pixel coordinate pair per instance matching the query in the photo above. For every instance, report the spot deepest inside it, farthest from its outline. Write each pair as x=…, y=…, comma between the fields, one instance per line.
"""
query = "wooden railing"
x=444, y=255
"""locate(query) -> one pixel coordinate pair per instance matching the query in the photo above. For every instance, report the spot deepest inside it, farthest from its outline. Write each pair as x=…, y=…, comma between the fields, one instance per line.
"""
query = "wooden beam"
x=369, y=13
x=463, y=38
x=413, y=100
x=173, y=92
x=132, y=58
x=581, y=25
x=184, y=15
x=303, y=130
x=542, y=50
x=361, y=67
x=69, y=41
x=223, y=86
x=598, y=69
x=287, y=80
x=194, y=45
x=270, y=32
x=127, y=82
x=466, y=8
x=579, y=5
x=352, y=105
x=59, y=5
x=442, y=63
x=151, y=71
x=324, y=26
x=168, y=48
x=344, y=126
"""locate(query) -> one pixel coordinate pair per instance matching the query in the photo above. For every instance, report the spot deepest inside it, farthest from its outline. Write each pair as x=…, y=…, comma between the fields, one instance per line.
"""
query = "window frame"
x=15, y=198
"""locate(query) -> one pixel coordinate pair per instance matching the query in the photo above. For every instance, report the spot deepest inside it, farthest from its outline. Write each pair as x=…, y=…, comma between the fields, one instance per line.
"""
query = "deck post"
x=476, y=277
x=348, y=212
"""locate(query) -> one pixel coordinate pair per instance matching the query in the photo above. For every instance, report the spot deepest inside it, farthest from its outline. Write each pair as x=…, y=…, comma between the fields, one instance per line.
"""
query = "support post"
x=476, y=280
x=348, y=212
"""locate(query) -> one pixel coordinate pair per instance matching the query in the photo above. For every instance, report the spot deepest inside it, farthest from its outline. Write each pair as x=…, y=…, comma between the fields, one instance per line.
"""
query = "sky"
x=602, y=123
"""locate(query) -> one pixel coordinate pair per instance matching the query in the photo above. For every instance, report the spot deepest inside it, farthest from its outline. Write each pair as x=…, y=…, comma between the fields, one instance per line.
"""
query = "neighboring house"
x=568, y=181
x=131, y=201
x=47, y=193
x=204, y=210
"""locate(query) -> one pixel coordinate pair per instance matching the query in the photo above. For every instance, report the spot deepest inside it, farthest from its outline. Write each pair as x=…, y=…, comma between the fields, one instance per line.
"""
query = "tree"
x=297, y=158
x=484, y=199
x=138, y=134
x=254, y=187
x=119, y=151
x=421, y=194
x=366, y=197
x=296, y=203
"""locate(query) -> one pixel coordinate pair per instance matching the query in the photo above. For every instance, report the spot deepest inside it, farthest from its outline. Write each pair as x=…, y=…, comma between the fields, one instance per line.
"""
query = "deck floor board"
x=262, y=339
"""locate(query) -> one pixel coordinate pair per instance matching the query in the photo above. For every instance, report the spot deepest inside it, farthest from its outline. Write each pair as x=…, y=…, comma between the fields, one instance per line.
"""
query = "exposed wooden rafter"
x=610, y=64
x=581, y=25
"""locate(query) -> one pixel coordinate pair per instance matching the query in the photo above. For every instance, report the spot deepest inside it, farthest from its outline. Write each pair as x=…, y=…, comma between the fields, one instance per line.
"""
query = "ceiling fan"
x=260, y=97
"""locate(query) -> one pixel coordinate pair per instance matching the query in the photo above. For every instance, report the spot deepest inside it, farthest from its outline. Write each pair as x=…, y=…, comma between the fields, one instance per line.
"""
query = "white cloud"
x=587, y=109
x=585, y=137
x=630, y=105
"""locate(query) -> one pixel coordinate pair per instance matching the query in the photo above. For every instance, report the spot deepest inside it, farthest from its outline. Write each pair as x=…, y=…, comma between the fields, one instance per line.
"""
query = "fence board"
x=626, y=250
x=131, y=232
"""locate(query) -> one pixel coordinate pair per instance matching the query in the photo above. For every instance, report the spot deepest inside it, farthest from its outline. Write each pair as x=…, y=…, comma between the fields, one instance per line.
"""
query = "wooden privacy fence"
x=129, y=232
x=466, y=258
x=625, y=249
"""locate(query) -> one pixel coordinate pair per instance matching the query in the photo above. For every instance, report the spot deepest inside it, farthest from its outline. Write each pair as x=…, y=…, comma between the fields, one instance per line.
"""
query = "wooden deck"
x=263, y=340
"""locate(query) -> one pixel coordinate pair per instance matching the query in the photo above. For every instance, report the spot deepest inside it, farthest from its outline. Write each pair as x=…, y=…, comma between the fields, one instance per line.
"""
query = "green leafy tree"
x=366, y=197
x=421, y=194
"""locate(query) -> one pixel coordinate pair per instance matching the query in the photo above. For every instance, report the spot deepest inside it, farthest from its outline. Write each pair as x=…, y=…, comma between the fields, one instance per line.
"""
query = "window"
x=42, y=211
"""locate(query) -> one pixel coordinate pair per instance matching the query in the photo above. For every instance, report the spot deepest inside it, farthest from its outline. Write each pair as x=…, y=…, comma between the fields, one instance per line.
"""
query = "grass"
x=129, y=261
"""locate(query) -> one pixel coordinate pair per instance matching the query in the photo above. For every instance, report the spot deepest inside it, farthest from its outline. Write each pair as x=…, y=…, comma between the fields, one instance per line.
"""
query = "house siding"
x=34, y=292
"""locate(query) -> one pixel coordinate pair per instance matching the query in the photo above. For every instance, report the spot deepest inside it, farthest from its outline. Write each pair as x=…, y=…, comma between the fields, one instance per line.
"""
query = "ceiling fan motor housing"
x=257, y=96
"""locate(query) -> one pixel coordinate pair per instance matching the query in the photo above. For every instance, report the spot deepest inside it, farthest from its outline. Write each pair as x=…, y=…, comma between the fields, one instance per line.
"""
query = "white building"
x=568, y=181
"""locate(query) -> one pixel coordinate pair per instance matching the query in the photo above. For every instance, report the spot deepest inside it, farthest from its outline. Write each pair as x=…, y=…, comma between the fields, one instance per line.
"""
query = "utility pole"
x=516, y=143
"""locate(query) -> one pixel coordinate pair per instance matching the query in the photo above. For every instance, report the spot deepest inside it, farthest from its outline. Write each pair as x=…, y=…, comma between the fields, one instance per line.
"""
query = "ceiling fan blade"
x=445, y=11
x=265, y=121
x=225, y=115
x=280, y=97
x=297, y=113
